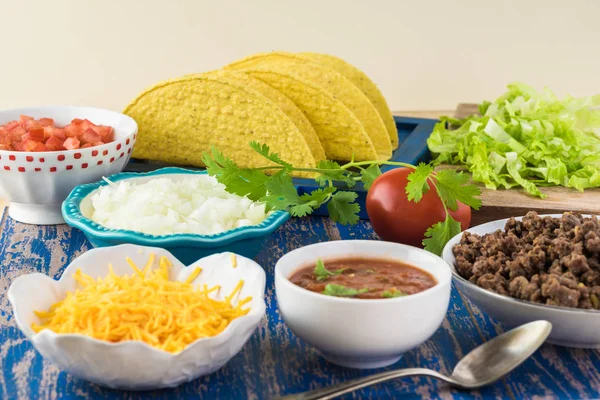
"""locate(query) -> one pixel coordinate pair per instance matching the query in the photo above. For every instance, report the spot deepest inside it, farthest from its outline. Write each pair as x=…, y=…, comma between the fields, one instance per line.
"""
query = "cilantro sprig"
x=323, y=273
x=342, y=291
x=273, y=186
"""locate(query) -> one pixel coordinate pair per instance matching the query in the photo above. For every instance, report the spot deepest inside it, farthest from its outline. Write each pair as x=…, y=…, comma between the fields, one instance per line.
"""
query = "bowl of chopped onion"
x=93, y=323
x=186, y=212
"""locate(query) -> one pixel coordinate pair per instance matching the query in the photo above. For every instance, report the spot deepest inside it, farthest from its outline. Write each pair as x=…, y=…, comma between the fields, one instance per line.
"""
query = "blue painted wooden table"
x=274, y=362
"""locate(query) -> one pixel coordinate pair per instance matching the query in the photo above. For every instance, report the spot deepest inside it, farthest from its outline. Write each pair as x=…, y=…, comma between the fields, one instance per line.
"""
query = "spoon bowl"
x=483, y=365
x=497, y=357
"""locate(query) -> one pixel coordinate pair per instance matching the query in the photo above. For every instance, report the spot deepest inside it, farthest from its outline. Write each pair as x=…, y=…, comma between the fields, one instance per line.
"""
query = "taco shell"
x=329, y=80
x=181, y=118
x=340, y=132
x=365, y=84
x=285, y=104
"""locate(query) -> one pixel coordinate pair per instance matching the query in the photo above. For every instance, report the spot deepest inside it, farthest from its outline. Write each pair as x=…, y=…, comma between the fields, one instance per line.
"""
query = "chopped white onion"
x=162, y=206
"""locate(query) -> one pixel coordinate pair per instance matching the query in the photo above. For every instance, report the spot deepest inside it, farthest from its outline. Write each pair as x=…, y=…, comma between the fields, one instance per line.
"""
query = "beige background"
x=423, y=54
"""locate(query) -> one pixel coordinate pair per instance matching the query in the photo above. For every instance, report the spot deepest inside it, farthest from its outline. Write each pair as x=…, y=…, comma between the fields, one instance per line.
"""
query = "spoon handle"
x=350, y=386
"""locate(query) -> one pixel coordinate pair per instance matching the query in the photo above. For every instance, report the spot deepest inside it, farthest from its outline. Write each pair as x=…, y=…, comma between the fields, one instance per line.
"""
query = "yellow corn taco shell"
x=340, y=132
x=366, y=85
x=181, y=118
x=331, y=81
x=284, y=103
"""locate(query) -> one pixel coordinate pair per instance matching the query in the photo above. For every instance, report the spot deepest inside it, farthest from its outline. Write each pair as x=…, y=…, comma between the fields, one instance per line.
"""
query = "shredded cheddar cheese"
x=144, y=306
x=233, y=260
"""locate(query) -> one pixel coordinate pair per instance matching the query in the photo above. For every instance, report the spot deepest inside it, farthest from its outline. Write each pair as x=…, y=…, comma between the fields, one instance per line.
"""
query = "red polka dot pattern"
x=29, y=162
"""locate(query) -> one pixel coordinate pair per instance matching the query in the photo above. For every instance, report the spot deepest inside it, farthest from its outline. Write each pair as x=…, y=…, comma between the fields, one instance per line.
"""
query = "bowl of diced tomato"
x=46, y=151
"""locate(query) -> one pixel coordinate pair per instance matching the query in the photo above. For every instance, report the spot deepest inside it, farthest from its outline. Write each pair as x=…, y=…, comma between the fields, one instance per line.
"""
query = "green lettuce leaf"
x=525, y=138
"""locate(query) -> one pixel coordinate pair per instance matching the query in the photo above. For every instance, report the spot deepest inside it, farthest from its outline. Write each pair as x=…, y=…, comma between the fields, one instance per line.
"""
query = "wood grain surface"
x=274, y=362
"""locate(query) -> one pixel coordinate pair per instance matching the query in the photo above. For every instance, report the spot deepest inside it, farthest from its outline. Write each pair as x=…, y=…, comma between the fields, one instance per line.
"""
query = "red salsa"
x=363, y=278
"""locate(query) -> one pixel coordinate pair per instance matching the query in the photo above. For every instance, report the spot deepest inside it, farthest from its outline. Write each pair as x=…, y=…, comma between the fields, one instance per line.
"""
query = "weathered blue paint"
x=274, y=362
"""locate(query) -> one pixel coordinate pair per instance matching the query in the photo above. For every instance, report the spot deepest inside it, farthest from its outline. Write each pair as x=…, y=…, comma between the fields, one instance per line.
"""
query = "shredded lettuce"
x=525, y=138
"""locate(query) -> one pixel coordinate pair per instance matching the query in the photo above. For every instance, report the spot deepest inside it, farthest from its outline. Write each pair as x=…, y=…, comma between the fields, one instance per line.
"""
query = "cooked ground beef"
x=553, y=261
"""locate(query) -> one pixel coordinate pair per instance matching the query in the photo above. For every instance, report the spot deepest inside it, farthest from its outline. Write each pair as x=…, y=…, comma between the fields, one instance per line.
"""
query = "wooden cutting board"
x=498, y=204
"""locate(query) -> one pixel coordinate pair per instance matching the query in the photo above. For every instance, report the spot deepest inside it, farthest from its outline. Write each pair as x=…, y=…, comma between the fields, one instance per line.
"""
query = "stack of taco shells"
x=306, y=107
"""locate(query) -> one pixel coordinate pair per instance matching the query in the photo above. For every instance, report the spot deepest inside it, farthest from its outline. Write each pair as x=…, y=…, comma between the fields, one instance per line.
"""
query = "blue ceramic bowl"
x=246, y=241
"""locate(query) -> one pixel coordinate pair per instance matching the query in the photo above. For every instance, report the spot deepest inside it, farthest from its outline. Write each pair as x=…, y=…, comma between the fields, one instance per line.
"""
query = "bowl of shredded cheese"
x=136, y=318
x=186, y=212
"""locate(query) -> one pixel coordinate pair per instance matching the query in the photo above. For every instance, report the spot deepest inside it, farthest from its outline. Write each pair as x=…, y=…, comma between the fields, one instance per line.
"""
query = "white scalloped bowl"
x=134, y=365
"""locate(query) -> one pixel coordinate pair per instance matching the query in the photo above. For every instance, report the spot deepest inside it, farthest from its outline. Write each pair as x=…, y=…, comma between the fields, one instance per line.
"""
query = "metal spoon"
x=482, y=366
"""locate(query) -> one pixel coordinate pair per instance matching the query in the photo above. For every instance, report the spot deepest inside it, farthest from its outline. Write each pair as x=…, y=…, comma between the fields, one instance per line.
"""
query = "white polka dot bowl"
x=36, y=183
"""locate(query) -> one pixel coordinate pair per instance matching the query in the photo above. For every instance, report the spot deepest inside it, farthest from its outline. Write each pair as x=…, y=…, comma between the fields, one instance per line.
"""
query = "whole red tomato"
x=396, y=219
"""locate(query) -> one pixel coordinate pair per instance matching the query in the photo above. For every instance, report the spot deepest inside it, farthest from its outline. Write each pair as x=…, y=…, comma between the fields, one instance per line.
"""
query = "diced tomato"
x=86, y=124
x=54, y=131
x=107, y=133
x=32, y=124
x=53, y=144
x=36, y=134
x=73, y=130
x=47, y=121
x=29, y=134
x=90, y=136
x=23, y=119
x=40, y=147
x=11, y=125
x=71, y=143
x=29, y=145
x=17, y=133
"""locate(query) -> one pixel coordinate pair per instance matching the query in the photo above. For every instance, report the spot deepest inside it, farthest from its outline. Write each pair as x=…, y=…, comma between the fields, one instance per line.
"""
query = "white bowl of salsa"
x=375, y=301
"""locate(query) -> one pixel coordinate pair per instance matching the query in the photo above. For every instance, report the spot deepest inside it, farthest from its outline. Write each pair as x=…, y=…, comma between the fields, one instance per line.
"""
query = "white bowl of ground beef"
x=523, y=269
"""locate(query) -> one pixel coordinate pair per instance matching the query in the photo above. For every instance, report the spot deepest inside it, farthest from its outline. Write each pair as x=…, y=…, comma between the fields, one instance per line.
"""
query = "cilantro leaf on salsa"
x=393, y=293
x=342, y=291
x=323, y=273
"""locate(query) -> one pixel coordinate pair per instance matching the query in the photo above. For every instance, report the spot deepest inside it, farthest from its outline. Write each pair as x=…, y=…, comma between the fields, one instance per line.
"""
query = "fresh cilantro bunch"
x=276, y=189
